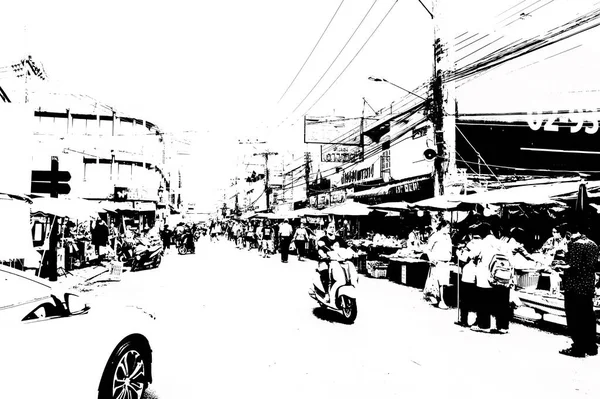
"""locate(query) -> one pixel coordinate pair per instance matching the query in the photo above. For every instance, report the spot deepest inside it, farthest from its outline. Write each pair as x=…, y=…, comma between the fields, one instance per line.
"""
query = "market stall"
x=17, y=247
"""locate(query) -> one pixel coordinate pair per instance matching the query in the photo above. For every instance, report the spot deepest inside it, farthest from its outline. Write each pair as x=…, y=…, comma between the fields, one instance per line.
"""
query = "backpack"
x=501, y=271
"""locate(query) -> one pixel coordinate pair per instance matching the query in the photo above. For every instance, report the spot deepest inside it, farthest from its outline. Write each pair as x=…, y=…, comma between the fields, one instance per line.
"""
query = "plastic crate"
x=378, y=273
x=527, y=280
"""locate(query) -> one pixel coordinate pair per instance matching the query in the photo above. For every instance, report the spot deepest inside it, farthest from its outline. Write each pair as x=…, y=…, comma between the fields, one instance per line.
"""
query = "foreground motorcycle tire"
x=349, y=309
x=182, y=250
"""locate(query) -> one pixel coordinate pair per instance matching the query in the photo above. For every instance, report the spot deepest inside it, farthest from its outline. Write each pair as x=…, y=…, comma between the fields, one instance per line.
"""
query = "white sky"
x=220, y=67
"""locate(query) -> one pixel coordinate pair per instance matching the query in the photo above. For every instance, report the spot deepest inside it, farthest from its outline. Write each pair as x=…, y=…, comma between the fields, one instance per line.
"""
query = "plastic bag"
x=292, y=246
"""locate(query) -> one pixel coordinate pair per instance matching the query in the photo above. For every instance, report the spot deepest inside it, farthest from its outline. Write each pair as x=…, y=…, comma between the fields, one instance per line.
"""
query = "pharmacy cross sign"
x=50, y=181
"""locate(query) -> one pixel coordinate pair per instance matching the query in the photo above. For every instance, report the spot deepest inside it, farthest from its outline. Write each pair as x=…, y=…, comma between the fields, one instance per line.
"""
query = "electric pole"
x=267, y=188
x=443, y=97
x=307, y=172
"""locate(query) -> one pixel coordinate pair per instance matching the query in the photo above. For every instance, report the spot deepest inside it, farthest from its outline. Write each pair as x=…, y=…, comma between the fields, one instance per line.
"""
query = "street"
x=235, y=324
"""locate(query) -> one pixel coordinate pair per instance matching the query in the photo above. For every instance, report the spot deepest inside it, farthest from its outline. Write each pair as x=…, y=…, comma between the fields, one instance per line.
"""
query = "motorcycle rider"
x=331, y=272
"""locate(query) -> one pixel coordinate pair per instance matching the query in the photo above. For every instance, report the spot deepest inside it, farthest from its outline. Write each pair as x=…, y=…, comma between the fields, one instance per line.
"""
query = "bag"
x=292, y=246
x=501, y=271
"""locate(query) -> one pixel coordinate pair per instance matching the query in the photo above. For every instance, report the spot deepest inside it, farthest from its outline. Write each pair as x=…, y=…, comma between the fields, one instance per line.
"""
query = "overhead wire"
x=311, y=52
x=337, y=56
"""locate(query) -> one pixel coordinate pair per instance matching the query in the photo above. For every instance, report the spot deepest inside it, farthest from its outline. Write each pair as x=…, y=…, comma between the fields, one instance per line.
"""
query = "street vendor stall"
x=72, y=216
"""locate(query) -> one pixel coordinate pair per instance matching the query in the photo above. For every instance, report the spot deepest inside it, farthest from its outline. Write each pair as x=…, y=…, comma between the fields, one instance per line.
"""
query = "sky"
x=220, y=68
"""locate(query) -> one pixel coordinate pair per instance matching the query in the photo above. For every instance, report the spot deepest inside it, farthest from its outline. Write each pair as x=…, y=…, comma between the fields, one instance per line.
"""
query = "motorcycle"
x=148, y=253
x=344, y=300
x=185, y=244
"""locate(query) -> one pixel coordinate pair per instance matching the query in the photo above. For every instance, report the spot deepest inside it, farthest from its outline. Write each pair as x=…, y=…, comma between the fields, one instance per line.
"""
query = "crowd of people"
x=489, y=258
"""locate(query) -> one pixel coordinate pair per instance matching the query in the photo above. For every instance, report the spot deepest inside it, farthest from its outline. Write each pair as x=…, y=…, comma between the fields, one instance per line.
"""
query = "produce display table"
x=407, y=270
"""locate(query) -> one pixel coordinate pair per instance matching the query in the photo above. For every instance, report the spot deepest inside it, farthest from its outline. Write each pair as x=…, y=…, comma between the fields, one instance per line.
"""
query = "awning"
x=349, y=208
x=73, y=208
x=391, y=206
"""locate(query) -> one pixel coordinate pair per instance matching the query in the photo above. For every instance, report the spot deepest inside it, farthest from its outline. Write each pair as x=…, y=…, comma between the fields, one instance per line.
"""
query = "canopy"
x=16, y=232
x=73, y=208
x=391, y=206
x=441, y=203
x=247, y=215
x=534, y=194
x=349, y=208
x=310, y=212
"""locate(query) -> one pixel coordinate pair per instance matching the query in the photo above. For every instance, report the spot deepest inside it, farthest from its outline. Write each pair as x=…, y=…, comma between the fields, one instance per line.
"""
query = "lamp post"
x=394, y=84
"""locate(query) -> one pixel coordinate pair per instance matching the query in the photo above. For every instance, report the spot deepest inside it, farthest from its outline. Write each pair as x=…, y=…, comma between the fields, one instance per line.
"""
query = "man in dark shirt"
x=579, y=286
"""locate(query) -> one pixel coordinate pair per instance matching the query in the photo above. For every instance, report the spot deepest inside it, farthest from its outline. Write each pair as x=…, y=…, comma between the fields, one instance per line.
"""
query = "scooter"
x=185, y=244
x=344, y=300
x=147, y=255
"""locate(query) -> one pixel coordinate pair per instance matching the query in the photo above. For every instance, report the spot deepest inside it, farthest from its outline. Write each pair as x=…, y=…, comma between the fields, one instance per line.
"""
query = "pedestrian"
x=100, y=237
x=439, y=251
x=300, y=237
x=165, y=235
x=285, y=238
x=468, y=289
x=579, y=289
x=267, y=240
x=492, y=297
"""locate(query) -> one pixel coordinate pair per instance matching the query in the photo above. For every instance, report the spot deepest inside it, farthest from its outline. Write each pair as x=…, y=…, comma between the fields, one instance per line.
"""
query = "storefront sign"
x=353, y=176
x=340, y=153
x=338, y=196
x=575, y=121
x=410, y=186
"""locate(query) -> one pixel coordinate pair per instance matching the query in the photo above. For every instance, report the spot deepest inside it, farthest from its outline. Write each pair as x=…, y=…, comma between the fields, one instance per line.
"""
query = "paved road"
x=238, y=325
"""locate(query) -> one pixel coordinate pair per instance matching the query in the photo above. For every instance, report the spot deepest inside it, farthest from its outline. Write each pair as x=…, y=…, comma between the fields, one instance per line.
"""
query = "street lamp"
x=394, y=84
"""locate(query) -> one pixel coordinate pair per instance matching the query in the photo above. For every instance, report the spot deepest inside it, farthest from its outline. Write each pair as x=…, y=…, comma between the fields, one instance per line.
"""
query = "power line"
x=353, y=58
x=337, y=56
x=307, y=58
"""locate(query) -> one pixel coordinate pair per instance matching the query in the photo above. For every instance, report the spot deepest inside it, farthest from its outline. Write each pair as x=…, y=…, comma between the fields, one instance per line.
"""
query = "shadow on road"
x=329, y=315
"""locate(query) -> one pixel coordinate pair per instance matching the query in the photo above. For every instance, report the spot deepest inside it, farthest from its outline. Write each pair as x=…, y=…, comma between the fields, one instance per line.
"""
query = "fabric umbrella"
x=442, y=203
x=391, y=206
x=582, y=207
x=349, y=208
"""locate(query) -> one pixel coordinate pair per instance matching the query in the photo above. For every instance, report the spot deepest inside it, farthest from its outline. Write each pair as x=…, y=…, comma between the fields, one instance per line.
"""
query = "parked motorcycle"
x=148, y=253
x=344, y=300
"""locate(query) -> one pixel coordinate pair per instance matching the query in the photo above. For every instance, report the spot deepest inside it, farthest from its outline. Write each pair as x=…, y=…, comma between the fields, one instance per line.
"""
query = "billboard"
x=332, y=130
x=546, y=144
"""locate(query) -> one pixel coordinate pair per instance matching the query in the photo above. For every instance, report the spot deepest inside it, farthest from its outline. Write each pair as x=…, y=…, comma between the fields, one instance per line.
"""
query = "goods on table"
x=377, y=269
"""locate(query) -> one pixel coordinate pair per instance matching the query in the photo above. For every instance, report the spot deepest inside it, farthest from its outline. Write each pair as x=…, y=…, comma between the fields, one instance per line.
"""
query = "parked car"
x=54, y=344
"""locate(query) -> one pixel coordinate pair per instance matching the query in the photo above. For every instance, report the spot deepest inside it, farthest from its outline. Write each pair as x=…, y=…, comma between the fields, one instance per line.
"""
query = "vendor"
x=556, y=245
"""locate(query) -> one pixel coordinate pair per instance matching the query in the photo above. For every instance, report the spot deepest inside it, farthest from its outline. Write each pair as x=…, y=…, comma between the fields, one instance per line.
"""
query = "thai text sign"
x=340, y=153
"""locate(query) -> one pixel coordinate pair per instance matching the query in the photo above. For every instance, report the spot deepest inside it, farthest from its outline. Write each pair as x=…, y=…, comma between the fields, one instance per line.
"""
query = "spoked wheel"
x=182, y=250
x=349, y=309
x=125, y=375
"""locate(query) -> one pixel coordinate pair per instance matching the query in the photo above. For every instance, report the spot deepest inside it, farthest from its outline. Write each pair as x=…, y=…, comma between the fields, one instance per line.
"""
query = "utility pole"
x=267, y=188
x=307, y=172
x=443, y=97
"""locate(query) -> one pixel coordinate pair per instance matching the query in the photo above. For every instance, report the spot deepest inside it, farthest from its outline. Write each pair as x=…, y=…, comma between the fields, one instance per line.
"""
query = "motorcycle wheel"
x=182, y=250
x=349, y=309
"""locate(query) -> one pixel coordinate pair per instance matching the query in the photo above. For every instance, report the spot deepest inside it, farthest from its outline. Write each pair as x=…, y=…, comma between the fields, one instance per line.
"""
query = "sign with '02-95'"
x=574, y=121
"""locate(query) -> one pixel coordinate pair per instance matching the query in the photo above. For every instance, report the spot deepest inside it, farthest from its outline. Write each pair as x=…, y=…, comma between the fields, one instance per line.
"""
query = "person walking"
x=300, y=237
x=285, y=238
x=100, y=237
x=579, y=289
x=165, y=235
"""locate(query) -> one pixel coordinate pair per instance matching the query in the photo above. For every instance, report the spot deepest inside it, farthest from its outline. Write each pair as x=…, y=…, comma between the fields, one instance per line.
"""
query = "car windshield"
x=16, y=288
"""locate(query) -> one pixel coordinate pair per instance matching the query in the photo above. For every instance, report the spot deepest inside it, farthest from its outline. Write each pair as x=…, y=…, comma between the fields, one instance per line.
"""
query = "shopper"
x=267, y=240
x=468, y=289
x=493, y=298
x=439, y=251
x=300, y=238
x=285, y=238
x=579, y=287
